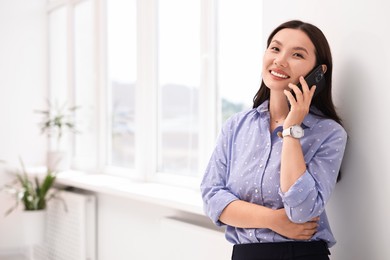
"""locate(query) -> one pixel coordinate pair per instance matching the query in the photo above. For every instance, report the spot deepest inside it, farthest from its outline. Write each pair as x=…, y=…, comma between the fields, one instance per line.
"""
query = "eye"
x=275, y=49
x=298, y=55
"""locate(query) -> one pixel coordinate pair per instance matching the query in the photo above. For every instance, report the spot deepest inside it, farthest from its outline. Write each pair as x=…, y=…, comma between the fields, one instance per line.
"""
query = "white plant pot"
x=33, y=224
x=58, y=160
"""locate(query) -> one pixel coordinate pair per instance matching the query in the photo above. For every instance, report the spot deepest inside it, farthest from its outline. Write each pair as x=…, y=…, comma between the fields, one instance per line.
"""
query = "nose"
x=281, y=61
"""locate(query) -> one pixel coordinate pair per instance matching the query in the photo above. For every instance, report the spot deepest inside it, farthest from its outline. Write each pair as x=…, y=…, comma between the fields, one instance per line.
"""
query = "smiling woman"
x=290, y=55
x=271, y=189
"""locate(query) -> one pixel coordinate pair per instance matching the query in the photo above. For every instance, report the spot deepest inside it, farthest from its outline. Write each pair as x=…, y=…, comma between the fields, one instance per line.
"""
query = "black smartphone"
x=315, y=77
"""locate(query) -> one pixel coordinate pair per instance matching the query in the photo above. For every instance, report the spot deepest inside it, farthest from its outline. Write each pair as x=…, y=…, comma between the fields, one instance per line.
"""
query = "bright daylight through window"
x=158, y=76
x=179, y=73
x=121, y=81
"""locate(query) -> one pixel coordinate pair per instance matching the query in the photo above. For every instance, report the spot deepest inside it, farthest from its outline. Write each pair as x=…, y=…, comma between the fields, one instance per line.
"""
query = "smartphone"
x=315, y=77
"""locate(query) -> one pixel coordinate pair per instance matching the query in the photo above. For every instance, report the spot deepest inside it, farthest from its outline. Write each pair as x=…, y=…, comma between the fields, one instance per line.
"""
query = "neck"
x=278, y=107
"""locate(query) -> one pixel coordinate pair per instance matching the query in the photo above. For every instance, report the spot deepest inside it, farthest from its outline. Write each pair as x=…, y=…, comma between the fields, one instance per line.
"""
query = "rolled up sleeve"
x=308, y=196
x=300, y=199
x=216, y=196
x=215, y=202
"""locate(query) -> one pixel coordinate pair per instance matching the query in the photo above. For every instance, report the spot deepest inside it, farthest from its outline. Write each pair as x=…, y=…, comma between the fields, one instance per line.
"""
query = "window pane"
x=178, y=75
x=122, y=59
x=85, y=89
x=58, y=55
x=240, y=53
x=58, y=61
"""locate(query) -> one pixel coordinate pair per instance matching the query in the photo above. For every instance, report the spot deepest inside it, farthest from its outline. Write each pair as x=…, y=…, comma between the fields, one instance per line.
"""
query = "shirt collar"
x=263, y=108
x=310, y=120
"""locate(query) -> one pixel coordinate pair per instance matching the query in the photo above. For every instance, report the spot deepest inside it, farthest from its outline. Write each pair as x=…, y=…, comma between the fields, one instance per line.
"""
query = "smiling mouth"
x=279, y=75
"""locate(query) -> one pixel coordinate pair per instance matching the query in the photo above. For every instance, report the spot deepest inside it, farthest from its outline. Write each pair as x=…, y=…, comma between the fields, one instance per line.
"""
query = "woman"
x=275, y=166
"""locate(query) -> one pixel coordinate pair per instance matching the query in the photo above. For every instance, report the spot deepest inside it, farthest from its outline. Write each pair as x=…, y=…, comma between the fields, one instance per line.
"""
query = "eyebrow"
x=295, y=48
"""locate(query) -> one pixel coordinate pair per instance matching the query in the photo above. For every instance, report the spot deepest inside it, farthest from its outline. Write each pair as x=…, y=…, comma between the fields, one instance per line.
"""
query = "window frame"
x=146, y=91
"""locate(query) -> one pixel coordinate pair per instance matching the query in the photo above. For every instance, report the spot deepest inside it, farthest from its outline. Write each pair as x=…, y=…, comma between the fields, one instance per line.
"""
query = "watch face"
x=297, y=131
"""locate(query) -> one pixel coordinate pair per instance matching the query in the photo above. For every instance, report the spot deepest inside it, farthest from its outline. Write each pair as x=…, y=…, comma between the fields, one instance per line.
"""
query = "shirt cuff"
x=299, y=191
x=217, y=204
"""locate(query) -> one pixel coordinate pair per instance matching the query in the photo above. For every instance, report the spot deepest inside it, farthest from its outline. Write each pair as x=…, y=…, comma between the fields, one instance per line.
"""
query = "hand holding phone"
x=315, y=77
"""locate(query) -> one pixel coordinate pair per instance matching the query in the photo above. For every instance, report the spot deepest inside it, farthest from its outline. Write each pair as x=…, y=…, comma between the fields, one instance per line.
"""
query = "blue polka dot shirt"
x=245, y=165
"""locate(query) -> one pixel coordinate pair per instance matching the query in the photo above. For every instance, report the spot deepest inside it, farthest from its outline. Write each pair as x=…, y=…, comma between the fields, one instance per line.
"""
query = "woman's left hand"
x=300, y=105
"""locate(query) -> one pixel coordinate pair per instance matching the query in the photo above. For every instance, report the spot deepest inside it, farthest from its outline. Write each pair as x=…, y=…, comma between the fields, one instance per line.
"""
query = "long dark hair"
x=323, y=100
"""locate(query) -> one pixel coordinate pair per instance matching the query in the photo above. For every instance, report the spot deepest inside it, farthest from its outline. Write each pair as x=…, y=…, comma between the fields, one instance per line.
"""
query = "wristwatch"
x=295, y=131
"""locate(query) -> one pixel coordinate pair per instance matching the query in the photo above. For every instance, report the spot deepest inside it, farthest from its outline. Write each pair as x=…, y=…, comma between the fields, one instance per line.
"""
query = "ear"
x=324, y=68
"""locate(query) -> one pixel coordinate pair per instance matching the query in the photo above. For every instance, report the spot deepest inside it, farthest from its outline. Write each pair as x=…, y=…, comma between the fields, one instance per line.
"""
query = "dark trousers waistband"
x=313, y=250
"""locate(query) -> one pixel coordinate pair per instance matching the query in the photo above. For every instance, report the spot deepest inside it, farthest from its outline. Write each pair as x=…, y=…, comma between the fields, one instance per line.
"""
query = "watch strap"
x=294, y=131
x=286, y=132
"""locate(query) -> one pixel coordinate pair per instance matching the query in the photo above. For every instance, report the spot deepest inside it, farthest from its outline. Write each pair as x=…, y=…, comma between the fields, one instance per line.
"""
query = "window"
x=121, y=81
x=178, y=77
x=58, y=64
x=239, y=54
x=155, y=79
x=85, y=87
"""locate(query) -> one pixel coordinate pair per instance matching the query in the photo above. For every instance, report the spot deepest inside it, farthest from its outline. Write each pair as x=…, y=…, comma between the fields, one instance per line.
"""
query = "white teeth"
x=279, y=75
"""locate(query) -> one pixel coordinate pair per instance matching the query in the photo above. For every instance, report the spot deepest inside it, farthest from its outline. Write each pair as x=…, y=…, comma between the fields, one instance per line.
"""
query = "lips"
x=279, y=74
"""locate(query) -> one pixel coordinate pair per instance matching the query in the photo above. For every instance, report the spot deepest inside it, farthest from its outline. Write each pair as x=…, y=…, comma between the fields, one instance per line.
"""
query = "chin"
x=272, y=85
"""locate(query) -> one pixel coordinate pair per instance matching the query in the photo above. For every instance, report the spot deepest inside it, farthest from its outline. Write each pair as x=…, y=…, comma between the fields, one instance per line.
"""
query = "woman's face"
x=291, y=54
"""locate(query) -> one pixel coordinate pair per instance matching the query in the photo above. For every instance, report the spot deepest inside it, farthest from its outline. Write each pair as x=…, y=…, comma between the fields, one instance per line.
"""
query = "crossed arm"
x=244, y=214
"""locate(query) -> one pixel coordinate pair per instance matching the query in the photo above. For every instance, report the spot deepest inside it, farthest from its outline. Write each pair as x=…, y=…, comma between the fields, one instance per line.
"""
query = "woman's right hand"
x=285, y=227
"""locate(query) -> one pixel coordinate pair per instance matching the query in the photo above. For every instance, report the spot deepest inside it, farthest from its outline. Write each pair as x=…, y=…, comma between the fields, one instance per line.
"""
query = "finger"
x=315, y=219
x=307, y=234
x=305, y=87
x=310, y=232
x=290, y=97
x=297, y=91
x=311, y=226
x=308, y=91
x=304, y=237
x=312, y=90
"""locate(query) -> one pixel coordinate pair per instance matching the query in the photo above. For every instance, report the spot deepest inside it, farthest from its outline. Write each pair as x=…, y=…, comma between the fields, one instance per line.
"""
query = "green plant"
x=32, y=192
x=57, y=120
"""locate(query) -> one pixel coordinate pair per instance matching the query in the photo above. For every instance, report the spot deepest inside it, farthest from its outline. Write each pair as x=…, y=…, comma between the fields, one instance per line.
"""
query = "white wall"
x=129, y=229
x=22, y=78
x=360, y=38
x=23, y=89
